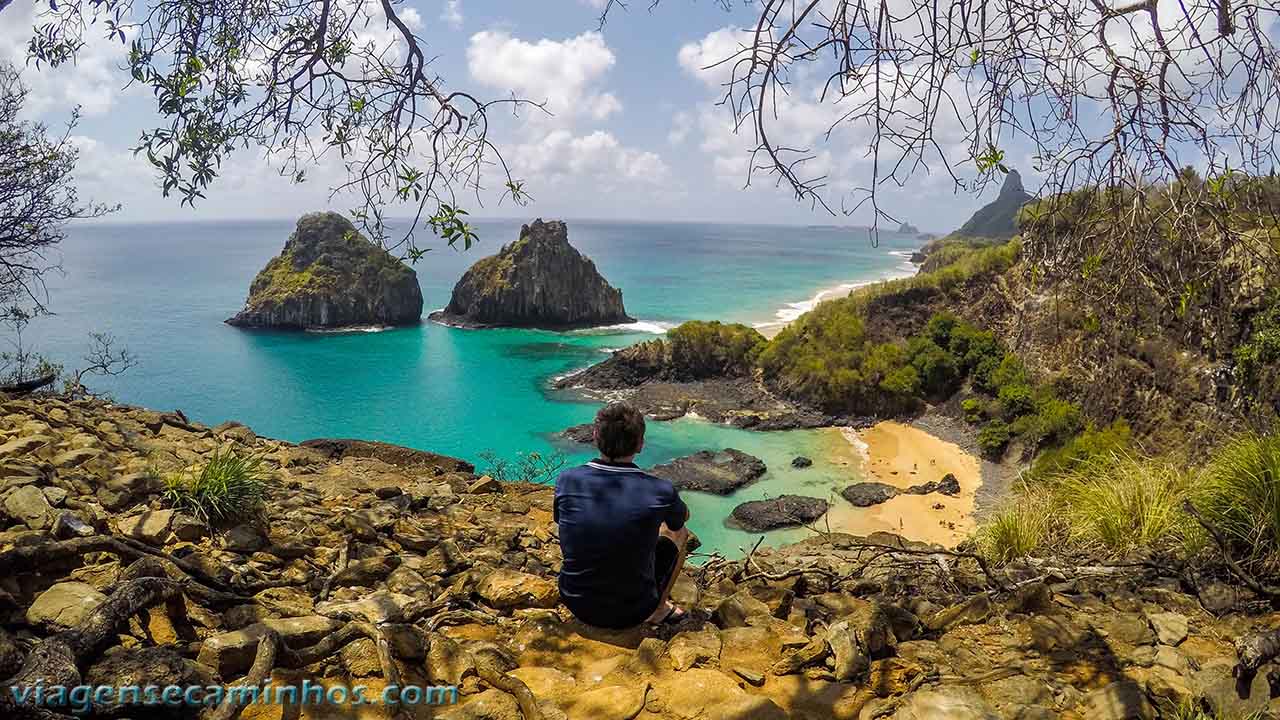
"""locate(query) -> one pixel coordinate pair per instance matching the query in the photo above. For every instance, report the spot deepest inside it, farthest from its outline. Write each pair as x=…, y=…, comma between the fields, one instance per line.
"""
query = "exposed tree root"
x=264, y=661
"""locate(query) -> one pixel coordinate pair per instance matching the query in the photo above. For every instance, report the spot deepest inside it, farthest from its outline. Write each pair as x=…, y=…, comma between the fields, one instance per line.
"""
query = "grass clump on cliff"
x=1097, y=497
x=228, y=486
x=1240, y=496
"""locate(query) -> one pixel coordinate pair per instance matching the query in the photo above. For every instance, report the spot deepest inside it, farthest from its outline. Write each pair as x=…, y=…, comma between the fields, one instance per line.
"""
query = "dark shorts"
x=665, y=555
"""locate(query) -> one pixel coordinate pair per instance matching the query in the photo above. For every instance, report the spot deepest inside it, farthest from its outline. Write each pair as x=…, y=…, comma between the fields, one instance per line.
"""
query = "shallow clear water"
x=164, y=290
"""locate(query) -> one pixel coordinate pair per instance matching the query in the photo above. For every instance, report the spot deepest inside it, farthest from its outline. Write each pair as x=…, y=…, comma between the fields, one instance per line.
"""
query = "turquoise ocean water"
x=164, y=289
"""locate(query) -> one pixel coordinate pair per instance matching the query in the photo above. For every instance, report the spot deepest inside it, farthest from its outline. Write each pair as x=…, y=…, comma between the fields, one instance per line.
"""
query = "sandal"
x=675, y=615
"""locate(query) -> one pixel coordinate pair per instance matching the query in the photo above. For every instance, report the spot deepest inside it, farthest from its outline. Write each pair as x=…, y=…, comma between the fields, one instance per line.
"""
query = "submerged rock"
x=714, y=472
x=782, y=511
x=801, y=462
x=540, y=280
x=584, y=434
x=331, y=276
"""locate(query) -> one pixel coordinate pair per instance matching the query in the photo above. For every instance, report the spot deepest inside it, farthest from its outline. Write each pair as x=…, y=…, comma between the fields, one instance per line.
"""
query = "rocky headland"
x=700, y=368
x=540, y=280
x=330, y=276
x=369, y=564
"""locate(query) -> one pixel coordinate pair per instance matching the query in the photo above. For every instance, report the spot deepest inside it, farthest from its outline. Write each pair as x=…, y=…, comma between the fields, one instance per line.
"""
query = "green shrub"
x=1053, y=420
x=935, y=366
x=1089, y=444
x=228, y=487
x=706, y=349
x=994, y=437
x=1015, y=399
x=1240, y=494
x=973, y=410
x=1121, y=502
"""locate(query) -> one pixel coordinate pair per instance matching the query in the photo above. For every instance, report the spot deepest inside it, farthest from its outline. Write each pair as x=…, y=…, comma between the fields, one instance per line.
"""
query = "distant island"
x=907, y=228
x=330, y=276
x=540, y=280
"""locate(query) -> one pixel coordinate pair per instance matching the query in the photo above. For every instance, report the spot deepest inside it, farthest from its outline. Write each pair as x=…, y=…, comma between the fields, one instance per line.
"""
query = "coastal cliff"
x=331, y=276
x=540, y=280
x=367, y=564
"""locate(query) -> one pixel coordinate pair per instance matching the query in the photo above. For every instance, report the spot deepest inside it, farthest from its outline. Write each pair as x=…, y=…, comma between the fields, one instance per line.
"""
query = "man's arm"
x=678, y=514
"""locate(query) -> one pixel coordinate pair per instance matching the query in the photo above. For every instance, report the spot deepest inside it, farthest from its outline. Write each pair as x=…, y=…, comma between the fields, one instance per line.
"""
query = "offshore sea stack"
x=331, y=276
x=539, y=281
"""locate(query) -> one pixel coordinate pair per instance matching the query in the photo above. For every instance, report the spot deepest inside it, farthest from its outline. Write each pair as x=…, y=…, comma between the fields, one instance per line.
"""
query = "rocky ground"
x=372, y=564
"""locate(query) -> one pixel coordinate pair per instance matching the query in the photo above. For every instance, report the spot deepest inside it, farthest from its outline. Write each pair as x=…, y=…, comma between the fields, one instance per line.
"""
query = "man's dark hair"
x=619, y=430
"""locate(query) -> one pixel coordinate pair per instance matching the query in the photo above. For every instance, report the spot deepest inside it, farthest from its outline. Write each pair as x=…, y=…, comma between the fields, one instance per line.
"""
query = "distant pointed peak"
x=1012, y=183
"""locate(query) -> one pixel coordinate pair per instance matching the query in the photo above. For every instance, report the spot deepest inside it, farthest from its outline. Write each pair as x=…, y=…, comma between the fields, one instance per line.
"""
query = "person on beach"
x=622, y=531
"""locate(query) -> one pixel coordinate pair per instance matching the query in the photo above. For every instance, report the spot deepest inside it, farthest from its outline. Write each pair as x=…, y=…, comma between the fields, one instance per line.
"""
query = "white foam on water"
x=352, y=329
x=644, y=326
x=791, y=311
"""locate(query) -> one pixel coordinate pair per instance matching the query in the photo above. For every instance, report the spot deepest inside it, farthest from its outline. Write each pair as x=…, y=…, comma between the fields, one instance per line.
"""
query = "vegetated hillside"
x=993, y=224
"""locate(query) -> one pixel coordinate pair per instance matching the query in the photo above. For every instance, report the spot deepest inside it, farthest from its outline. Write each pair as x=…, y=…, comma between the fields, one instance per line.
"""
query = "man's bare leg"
x=681, y=539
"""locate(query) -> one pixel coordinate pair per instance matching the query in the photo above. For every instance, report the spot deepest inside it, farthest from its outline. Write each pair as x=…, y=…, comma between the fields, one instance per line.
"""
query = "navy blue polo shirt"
x=609, y=514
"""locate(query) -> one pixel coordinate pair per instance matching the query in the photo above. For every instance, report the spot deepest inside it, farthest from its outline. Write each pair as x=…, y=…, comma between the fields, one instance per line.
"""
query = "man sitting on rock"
x=622, y=531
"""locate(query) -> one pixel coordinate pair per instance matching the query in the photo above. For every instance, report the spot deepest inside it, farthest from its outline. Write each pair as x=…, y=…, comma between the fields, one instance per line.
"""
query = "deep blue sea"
x=163, y=290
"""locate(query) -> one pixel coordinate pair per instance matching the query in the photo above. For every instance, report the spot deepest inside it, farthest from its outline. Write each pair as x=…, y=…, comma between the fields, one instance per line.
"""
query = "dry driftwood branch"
x=1224, y=547
x=1254, y=651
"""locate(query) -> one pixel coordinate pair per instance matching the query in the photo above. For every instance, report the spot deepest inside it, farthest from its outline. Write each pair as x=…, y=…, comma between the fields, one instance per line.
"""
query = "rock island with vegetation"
x=540, y=280
x=331, y=276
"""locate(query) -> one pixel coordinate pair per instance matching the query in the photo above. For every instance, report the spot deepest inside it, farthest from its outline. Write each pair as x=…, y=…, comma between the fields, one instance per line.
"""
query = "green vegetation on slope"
x=715, y=348
x=1118, y=502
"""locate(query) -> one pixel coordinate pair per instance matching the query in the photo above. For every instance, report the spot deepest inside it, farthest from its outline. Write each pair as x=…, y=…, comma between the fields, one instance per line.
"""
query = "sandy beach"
x=901, y=455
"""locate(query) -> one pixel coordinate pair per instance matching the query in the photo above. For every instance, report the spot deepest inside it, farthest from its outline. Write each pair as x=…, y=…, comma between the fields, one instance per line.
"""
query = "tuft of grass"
x=1191, y=711
x=1018, y=529
x=1240, y=494
x=1121, y=502
x=227, y=486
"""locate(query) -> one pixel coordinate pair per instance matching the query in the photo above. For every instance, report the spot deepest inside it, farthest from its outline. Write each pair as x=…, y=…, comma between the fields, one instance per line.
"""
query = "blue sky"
x=636, y=133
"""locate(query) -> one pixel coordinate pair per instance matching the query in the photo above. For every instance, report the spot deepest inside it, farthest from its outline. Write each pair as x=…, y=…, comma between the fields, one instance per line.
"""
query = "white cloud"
x=597, y=157
x=564, y=74
x=712, y=58
x=452, y=13
x=681, y=126
x=92, y=82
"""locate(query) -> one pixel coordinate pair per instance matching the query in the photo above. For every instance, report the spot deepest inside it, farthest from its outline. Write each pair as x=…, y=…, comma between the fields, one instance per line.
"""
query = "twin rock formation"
x=331, y=276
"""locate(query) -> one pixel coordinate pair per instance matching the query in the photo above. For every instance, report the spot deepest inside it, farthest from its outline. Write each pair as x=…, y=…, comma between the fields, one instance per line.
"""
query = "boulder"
x=715, y=472
x=782, y=511
x=866, y=494
x=540, y=280
x=232, y=653
x=151, y=526
x=1122, y=700
x=801, y=462
x=691, y=649
x=584, y=434
x=331, y=276
x=948, y=485
x=29, y=506
x=508, y=589
x=1170, y=627
x=64, y=605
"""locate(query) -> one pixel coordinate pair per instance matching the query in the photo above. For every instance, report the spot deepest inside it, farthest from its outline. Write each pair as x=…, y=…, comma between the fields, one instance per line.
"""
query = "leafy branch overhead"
x=304, y=82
